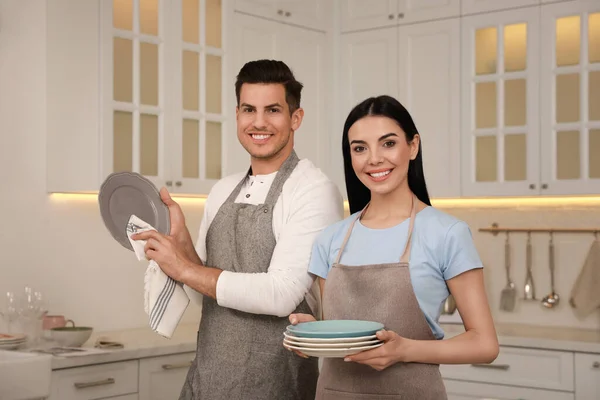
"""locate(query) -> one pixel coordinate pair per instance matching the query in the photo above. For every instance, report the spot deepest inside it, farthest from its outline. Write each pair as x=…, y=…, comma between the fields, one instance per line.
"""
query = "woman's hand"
x=294, y=320
x=391, y=352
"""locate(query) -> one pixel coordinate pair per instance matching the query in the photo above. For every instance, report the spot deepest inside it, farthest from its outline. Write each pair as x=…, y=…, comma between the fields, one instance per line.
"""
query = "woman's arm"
x=479, y=344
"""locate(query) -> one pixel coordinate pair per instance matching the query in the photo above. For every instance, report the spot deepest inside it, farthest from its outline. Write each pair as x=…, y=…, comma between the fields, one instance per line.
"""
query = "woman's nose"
x=375, y=158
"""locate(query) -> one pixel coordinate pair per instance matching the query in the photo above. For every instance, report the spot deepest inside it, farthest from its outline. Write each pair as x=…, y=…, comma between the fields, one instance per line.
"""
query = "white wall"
x=60, y=246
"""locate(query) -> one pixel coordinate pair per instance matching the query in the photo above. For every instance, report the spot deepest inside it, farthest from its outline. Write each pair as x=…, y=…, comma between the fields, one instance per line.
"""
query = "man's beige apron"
x=382, y=293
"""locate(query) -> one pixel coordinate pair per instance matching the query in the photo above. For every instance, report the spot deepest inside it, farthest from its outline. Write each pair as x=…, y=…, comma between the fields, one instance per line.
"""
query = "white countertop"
x=142, y=342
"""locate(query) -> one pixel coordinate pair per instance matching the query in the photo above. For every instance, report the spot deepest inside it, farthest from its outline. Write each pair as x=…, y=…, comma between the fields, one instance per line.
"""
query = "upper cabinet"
x=143, y=92
x=313, y=14
x=570, y=98
x=359, y=14
x=482, y=6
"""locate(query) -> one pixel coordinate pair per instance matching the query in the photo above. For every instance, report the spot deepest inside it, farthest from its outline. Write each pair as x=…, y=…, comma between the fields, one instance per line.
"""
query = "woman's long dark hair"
x=358, y=194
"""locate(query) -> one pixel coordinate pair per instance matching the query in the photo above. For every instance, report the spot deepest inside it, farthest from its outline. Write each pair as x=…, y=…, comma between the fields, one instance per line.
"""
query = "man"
x=253, y=250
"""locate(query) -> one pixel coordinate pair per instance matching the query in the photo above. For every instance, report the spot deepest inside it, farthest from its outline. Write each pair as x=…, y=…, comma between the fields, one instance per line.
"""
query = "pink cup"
x=55, y=321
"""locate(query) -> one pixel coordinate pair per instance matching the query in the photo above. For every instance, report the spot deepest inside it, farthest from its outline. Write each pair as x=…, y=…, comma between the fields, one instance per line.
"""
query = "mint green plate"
x=335, y=328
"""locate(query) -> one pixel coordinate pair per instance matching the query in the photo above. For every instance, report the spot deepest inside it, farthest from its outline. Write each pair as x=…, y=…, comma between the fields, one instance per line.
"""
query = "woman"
x=363, y=268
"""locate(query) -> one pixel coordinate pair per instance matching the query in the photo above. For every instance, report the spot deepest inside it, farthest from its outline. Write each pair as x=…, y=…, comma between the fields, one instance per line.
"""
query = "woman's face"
x=380, y=153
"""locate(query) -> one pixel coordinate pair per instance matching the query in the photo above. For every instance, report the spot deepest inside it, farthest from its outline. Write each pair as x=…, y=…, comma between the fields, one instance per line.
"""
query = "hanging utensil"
x=449, y=306
x=529, y=293
x=552, y=299
x=509, y=293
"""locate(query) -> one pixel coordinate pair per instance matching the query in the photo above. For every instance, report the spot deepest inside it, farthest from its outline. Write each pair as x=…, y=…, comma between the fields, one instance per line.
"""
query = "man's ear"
x=297, y=117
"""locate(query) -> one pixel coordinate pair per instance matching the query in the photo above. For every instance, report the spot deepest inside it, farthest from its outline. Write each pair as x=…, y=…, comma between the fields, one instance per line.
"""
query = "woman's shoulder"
x=439, y=223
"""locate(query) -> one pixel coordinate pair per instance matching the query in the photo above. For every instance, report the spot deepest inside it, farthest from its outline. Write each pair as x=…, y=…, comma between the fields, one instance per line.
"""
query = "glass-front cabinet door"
x=570, y=98
x=161, y=88
x=500, y=92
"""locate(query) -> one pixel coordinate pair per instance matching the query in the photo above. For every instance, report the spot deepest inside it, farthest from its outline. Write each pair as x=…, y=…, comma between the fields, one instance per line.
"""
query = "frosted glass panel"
x=149, y=17
x=485, y=105
x=123, y=70
x=594, y=153
x=567, y=155
x=568, y=37
x=515, y=47
x=213, y=23
x=190, y=149
x=515, y=157
x=486, y=49
x=567, y=98
x=515, y=102
x=213, y=150
x=486, y=159
x=149, y=73
x=594, y=37
x=149, y=145
x=191, y=74
x=213, y=84
x=123, y=14
x=594, y=93
x=190, y=21
x=122, y=141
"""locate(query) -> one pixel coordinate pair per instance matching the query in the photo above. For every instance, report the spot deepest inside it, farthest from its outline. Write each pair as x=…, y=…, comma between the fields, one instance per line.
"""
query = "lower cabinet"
x=144, y=379
x=459, y=390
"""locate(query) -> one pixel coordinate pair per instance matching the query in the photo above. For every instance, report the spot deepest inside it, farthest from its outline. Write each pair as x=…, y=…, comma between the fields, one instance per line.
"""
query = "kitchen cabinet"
x=462, y=390
x=359, y=14
x=313, y=14
x=304, y=51
x=418, y=64
x=482, y=6
x=163, y=377
x=530, y=118
x=587, y=376
x=142, y=91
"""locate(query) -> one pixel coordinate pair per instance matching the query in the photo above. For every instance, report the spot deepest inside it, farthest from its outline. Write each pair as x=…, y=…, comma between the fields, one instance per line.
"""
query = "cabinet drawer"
x=95, y=382
x=458, y=390
x=520, y=367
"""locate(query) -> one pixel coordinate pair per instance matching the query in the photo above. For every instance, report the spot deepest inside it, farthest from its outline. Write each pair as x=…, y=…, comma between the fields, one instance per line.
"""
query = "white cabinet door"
x=429, y=75
x=462, y=390
x=500, y=96
x=587, y=376
x=570, y=98
x=482, y=6
x=359, y=14
x=410, y=11
x=313, y=14
x=163, y=377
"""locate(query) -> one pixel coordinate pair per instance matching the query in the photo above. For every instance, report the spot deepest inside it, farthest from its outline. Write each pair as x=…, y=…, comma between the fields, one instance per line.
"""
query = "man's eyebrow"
x=247, y=105
x=274, y=105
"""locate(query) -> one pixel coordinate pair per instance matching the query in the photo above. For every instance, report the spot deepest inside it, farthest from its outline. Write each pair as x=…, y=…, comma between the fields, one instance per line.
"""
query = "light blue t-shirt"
x=442, y=247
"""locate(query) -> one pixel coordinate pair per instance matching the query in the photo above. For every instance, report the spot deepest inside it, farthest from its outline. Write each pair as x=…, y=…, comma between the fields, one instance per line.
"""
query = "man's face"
x=264, y=125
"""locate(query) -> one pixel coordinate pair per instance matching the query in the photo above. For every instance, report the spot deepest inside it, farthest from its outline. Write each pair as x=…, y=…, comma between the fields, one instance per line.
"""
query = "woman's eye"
x=358, y=149
x=390, y=143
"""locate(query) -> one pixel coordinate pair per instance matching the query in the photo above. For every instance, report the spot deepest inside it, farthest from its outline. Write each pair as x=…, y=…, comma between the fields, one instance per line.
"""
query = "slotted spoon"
x=508, y=295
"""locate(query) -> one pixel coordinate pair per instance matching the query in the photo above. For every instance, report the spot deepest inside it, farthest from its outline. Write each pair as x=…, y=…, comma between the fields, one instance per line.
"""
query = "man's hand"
x=389, y=353
x=167, y=252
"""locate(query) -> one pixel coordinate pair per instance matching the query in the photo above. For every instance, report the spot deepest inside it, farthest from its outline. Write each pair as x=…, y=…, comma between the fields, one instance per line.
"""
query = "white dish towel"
x=165, y=300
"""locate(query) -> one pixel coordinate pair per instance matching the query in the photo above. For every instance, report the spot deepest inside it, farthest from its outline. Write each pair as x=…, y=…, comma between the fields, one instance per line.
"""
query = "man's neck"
x=266, y=166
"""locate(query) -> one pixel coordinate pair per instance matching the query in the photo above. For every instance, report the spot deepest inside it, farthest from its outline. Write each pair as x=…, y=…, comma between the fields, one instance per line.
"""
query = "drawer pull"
x=176, y=366
x=503, y=367
x=596, y=365
x=108, y=381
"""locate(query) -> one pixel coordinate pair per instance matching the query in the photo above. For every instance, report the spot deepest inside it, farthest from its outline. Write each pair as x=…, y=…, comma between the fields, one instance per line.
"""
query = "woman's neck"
x=389, y=209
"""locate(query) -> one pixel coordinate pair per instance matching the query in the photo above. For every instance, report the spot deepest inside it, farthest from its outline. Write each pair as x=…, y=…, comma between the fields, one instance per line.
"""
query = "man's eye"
x=246, y=109
x=274, y=110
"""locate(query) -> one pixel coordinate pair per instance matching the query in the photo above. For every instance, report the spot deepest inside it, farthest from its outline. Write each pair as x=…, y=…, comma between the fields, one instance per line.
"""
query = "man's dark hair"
x=270, y=71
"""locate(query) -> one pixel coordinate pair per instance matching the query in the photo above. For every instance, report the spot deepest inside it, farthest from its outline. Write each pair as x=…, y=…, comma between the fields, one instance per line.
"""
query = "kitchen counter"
x=540, y=337
x=142, y=342
x=138, y=343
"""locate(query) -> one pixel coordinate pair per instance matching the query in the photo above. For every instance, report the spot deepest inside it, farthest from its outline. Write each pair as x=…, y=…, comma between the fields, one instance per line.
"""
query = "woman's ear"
x=414, y=146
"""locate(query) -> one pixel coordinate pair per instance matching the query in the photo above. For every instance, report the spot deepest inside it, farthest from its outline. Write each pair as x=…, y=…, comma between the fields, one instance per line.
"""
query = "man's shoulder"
x=307, y=175
x=223, y=188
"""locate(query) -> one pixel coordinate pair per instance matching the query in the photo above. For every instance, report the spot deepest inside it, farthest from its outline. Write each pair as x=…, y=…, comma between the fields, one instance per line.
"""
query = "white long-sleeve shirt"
x=308, y=203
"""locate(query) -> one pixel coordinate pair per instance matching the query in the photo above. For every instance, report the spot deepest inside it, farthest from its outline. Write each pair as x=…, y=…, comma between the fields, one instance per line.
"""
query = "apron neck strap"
x=406, y=254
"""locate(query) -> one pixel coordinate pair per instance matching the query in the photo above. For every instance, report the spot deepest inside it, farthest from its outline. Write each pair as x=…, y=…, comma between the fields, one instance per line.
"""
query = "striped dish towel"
x=165, y=301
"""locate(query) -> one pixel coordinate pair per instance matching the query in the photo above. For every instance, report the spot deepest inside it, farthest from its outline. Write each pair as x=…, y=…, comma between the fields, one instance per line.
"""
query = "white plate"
x=332, y=352
x=329, y=340
x=10, y=338
x=330, y=345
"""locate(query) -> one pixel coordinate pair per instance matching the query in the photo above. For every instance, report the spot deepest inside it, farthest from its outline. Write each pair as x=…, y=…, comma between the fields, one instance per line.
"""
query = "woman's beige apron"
x=382, y=293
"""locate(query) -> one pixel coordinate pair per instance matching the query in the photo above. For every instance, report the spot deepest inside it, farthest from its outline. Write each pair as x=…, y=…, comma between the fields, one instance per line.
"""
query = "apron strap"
x=406, y=255
x=283, y=174
x=343, y=246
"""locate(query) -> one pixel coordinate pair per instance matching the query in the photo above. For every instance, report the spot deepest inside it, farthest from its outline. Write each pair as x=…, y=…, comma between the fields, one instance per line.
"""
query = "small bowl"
x=71, y=336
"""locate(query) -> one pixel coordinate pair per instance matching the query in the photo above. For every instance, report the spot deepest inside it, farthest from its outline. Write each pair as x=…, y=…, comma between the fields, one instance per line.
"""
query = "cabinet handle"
x=503, y=367
x=400, y=15
x=178, y=183
x=280, y=12
x=288, y=14
x=176, y=366
x=169, y=183
x=83, y=385
x=391, y=16
x=532, y=186
x=596, y=365
x=544, y=186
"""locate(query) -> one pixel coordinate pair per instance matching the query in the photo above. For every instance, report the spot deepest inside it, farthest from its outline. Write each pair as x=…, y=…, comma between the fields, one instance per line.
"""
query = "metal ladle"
x=552, y=299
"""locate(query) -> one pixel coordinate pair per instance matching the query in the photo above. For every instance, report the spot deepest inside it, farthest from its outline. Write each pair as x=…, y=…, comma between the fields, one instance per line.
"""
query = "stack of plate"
x=332, y=339
x=11, y=341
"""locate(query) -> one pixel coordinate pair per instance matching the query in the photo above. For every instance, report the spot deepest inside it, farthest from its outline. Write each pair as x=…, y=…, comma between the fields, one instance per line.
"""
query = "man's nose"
x=260, y=122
